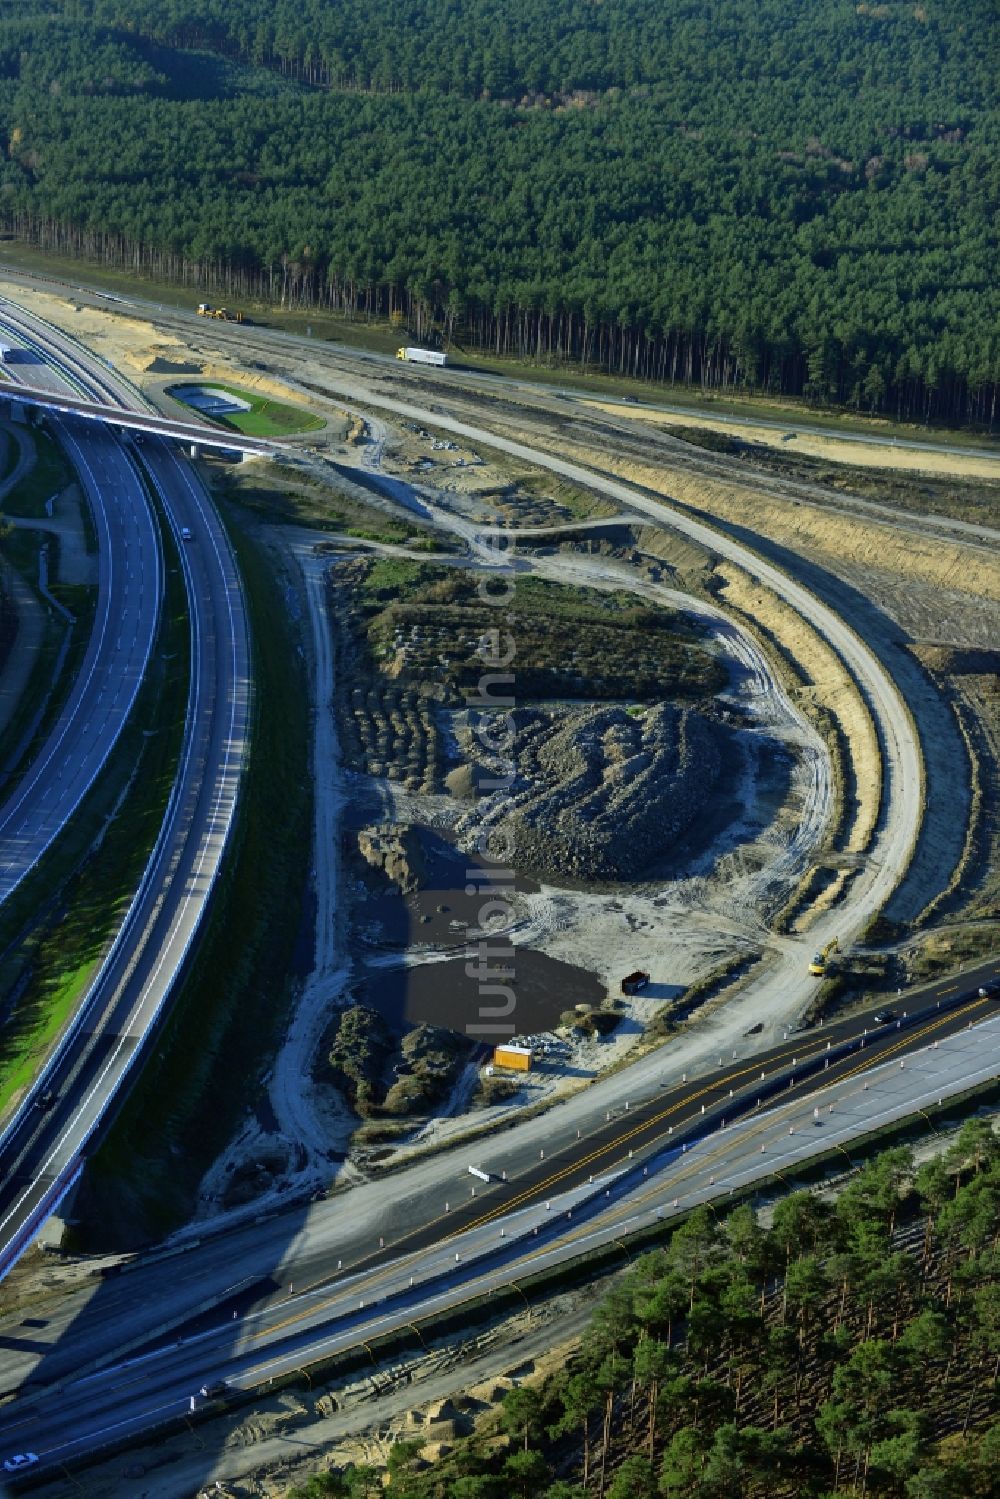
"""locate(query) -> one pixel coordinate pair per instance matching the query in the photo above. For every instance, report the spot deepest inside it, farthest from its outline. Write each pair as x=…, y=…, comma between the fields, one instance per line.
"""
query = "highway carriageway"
x=41, y=1147
x=684, y=1113
x=192, y=433
x=315, y=1326
x=621, y=1200
x=339, y=1242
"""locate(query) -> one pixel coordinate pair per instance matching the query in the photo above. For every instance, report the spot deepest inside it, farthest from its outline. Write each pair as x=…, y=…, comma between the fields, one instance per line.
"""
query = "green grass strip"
x=266, y=418
x=58, y=924
x=224, y=1026
x=52, y=473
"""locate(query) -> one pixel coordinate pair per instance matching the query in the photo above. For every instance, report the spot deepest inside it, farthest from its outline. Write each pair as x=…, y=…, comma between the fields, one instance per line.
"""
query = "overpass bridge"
x=194, y=434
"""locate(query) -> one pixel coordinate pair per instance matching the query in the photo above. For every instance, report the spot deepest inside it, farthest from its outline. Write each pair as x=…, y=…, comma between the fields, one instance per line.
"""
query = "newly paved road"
x=391, y=1208
x=40, y=1153
x=88, y=412
x=515, y=1237
x=901, y=808
x=129, y=592
x=239, y=337
x=408, y=1210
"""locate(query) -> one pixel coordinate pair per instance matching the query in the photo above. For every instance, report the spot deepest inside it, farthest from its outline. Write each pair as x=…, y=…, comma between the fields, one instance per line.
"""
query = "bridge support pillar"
x=195, y=450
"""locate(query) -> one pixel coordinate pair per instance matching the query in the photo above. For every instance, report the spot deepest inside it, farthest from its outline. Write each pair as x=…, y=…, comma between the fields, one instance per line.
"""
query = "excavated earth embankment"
x=601, y=796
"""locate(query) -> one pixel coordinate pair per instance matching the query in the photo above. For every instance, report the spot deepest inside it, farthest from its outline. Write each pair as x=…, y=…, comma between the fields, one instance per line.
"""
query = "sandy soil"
x=811, y=529
x=853, y=546
x=308, y=1128
x=832, y=449
x=682, y=927
x=586, y=929
x=822, y=532
x=679, y=928
x=678, y=931
x=437, y=1395
x=155, y=359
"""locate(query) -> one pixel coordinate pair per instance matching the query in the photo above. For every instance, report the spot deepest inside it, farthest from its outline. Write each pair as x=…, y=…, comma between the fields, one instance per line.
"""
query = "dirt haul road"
x=777, y=993
x=902, y=770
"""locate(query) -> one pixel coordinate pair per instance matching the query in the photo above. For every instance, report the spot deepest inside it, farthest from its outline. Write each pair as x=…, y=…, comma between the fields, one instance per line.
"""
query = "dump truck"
x=634, y=983
x=422, y=356
x=821, y=959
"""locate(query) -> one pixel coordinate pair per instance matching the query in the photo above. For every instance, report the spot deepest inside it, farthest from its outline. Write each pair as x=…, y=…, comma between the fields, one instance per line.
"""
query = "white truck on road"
x=422, y=356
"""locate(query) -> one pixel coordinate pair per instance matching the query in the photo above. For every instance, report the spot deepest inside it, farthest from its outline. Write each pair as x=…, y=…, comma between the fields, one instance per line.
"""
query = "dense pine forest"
x=849, y=1348
x=774, y=195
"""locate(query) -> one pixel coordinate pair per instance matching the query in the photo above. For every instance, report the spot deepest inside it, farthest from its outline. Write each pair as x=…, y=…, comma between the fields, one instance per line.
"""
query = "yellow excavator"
x=820, y=960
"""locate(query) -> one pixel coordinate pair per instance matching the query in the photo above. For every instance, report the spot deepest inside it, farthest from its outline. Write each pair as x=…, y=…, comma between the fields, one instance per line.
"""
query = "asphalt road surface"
x=103, y=694
x=40, y=1154
x=87, y=413
x=901, y=809
x=405, y=1211
x=239, y=337
x=252, y=1271
x=158, y=1382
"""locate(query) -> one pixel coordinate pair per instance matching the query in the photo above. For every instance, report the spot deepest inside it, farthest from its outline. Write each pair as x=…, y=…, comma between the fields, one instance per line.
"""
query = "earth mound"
x=605, y=793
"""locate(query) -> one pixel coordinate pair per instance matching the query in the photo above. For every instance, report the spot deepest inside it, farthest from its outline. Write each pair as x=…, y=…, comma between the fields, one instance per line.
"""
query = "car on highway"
x=19, y=1461
x=882, y=1017
x=186, y=533
x=214, y=1390
x=46, y=1100
x=990, y=991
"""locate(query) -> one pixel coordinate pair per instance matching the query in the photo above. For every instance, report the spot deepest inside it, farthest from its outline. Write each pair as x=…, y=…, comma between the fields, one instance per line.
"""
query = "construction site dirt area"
x=832, y=447
x=692, y=775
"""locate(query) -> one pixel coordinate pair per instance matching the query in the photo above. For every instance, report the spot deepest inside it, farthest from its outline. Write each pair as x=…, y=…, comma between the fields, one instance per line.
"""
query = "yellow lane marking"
x=703, y=1161
x=371, y=1283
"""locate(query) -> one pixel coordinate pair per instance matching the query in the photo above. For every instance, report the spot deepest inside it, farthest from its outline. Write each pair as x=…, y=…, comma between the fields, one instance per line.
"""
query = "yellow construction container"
x=514, y=1058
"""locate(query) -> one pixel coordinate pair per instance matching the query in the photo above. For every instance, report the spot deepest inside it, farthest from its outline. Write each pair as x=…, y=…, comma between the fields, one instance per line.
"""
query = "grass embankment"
x=627, y=1271
x=775, y=1360
x=50, y=474
x=56, y=927
x=59, y=658
x=294, y=499
x=55, y=669
x=380, y=337
x=972, y=499
x=227, y=1018
x=266, y=418
x=19, y=550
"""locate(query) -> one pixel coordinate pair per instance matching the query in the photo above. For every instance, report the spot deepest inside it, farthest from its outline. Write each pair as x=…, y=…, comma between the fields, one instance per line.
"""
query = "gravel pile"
x=603, y=794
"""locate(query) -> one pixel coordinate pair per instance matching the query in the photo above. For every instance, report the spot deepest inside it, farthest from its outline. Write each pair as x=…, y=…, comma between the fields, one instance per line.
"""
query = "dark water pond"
x=460, y=901
x=460, y=895
x=449, y=993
